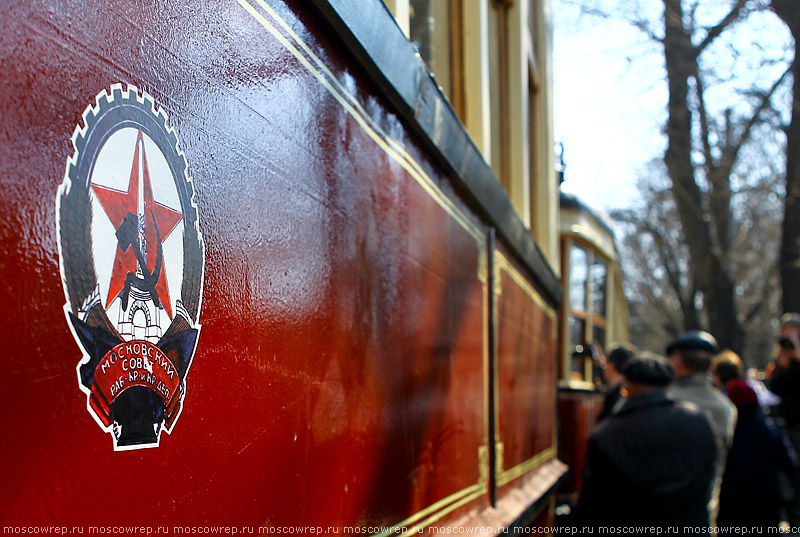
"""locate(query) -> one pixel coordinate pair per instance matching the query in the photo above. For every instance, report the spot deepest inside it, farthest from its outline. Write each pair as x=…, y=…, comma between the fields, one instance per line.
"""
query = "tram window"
x=576, y=331
x=599, y=274
x=577, y=340
x=586, y=317
x=498, y=90
x=578, y=274
x=600, y=335
x=430, y=30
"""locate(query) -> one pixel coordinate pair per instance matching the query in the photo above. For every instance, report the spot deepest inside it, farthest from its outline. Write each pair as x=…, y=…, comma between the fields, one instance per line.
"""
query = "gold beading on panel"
x=483, y=457
x=498, y=463
x=502, y=264
x=498, y=283
x=483, y=266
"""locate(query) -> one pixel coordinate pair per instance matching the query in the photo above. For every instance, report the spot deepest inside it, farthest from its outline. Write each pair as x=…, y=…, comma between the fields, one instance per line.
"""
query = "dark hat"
x=696, y=340
x=649, y=369
x=741, y=394
x=621, y=355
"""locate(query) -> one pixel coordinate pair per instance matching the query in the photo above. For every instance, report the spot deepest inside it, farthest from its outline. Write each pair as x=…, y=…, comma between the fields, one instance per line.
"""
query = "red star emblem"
x=117, y=205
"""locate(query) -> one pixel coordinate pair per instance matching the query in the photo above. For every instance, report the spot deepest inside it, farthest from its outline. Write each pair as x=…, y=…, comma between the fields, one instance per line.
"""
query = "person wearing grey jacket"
x=691, y=355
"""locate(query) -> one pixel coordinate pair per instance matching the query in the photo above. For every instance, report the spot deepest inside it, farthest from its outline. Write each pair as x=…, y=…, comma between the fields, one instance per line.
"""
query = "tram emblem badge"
x=131, y=260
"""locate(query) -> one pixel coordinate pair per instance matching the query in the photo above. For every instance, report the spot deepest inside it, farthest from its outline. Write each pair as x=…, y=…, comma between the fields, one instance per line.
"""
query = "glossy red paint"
x=340, y=375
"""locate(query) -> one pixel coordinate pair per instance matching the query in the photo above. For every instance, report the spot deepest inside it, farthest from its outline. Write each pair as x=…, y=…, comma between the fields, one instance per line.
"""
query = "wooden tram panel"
x=577, y=413
x=525, y=329
x=341, y=376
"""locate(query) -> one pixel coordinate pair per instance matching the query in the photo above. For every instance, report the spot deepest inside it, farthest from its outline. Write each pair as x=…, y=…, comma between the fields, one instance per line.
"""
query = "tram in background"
x=305, y=252
x=593, y=315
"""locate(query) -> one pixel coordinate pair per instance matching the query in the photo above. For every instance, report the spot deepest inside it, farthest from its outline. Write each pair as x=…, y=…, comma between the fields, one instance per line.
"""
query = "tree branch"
x=766, y=290
x=640, y=24
x=704, y=128
x=714, y=32
x=731, y=150
x=664, y=251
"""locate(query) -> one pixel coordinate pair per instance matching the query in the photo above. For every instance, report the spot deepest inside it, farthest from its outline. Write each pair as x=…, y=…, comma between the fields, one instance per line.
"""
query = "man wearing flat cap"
x=653, y=461
x=691, y=355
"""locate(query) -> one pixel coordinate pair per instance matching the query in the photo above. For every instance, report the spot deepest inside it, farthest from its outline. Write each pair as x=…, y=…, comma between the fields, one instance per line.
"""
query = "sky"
x=609, y=107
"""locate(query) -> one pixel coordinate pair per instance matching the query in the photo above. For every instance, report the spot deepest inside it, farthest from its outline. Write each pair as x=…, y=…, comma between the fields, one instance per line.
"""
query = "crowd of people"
x=692, y=440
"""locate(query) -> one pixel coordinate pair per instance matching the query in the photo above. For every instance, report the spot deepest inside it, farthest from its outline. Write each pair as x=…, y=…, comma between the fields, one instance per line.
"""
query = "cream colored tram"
x=594, y=313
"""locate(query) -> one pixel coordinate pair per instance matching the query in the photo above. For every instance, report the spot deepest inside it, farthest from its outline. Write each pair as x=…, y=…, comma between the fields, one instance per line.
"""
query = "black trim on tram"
x=370, y=32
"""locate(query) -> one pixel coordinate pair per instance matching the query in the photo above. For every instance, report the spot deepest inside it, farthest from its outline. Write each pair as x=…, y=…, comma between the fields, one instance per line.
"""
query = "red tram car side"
x=260, y=276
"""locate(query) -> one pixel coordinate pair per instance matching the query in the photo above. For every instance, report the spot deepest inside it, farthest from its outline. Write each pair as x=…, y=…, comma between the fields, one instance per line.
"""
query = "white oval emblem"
x=131, y=258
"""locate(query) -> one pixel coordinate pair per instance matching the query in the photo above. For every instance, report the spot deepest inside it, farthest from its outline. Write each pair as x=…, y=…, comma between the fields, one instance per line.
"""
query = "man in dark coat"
x=785, y=383
x=651, y=463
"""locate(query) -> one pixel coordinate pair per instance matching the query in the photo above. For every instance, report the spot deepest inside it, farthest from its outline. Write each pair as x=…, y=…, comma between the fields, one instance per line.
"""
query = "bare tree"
x=656, y=277
x=788, y=11
x=664, y=296
x=710, y=153
x=706, y=214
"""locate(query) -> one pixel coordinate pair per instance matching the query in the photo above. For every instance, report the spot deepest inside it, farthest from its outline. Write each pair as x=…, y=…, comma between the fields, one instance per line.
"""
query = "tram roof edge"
x=572, y=202
x=392, y=63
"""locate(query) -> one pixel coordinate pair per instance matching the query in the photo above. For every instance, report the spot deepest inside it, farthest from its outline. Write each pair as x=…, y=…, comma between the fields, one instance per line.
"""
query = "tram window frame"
x=597, y=290
x=578, y=284
x=498, y=22
x=580, y=368
x=440, y=44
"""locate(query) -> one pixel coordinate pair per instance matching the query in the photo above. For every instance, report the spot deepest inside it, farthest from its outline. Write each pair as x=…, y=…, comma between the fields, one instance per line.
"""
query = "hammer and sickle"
x=127, y=235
